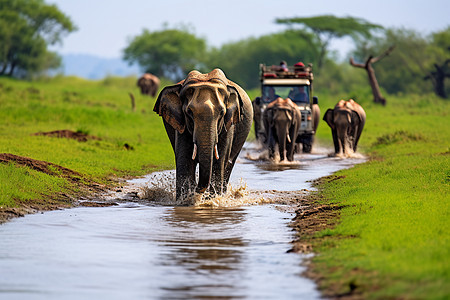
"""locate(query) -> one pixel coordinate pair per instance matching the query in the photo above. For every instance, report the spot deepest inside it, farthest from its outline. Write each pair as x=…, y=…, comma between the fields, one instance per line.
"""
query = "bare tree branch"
x=383, y=55
x=352, y=62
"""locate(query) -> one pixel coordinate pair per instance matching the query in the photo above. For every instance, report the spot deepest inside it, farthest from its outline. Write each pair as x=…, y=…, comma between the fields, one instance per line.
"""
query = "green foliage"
x=404, y=70
x=328, y=27
x=240, y=60
x=26, y=28
x=392, y=233
x=332, y=26
x=170, y=52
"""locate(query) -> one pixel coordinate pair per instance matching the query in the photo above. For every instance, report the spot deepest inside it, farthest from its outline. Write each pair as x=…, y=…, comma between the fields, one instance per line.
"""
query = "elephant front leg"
x=290, y=146
x=271, y=144
x=185, y=167
x=219, y=180
x=335, y=142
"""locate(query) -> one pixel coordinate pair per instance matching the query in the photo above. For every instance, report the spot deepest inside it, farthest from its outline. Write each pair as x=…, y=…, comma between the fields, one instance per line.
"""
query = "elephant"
x=149, y=84
x=282, y=119
x=207, y=119
x=347, y=121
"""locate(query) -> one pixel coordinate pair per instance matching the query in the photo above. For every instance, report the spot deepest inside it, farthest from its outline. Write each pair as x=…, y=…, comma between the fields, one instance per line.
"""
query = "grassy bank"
x=391, y=240
x=119, y=141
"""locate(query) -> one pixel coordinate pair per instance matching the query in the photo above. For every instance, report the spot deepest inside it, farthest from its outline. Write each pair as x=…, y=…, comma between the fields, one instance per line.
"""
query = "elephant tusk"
x=288, y=138
x=216, y=152
x=194, y=153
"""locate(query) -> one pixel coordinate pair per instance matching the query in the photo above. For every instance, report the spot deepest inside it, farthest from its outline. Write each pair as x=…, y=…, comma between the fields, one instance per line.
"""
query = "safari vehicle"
x=294, y=82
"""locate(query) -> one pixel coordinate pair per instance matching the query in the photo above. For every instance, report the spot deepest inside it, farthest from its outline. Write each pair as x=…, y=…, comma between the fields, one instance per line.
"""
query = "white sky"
x=106, y=26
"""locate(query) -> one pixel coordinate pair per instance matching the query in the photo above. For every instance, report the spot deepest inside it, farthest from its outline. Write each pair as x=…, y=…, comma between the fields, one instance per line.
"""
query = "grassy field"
x=391, y=240
x=126, y=142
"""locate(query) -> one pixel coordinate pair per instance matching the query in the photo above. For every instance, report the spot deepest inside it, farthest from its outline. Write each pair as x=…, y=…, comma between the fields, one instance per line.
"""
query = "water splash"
x=349, y=154
x=160, y=190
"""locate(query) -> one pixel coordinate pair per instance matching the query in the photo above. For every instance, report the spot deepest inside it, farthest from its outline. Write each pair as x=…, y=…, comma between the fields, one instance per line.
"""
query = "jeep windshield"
x=297, y=93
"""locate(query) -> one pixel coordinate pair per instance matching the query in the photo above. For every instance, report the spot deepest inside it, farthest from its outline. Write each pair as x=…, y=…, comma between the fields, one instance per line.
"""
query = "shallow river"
x=139, y=251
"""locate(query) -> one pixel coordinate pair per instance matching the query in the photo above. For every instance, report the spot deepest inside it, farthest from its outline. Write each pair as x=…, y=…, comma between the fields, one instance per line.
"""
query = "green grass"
x=392, y=240
x=99, y=108
x=16, y=182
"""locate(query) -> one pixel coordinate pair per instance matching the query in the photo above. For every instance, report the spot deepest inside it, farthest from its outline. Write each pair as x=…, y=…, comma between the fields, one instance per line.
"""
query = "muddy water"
x=139, y=250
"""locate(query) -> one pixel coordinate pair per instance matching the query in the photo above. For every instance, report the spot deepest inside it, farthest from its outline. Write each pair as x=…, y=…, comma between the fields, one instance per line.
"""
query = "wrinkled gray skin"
x=346, y=121
x=281, y=121
x=199, y=113
x=149, y=84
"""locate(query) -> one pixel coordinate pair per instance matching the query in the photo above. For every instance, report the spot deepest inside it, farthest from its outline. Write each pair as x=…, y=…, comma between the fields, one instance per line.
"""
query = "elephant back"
x=351, y=105
x=358, y=109
x=282, y=103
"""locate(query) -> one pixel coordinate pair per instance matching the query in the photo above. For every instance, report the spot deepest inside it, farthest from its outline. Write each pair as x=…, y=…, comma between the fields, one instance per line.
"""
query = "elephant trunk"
x=283, y=134
x=342, y=135
x=205, y=149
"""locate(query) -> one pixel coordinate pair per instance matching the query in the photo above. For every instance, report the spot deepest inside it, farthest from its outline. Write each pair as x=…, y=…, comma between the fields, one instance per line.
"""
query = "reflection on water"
x=135, y=251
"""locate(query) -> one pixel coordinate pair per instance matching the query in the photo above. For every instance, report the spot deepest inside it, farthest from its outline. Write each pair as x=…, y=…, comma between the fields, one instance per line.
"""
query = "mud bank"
x=79, y=188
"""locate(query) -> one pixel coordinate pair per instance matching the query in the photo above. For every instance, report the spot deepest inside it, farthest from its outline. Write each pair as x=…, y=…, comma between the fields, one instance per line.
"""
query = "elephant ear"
x=328, y=117
x=169, y=107
x=234, y=106
x=295, y=115
x=356, y=116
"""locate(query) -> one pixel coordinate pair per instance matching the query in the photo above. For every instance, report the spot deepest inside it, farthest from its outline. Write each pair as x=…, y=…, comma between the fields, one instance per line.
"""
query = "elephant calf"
x=347, y=121
x=281, y=122
x=207, y=118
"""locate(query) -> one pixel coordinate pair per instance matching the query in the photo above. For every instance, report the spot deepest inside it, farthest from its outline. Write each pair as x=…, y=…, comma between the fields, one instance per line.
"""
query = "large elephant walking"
x=207, y=118
x=149, y=84
x=347, y=121
x=281, y=122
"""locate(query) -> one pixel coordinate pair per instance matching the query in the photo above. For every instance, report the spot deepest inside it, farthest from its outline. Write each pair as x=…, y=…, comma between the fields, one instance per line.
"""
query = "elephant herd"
x=207, y=118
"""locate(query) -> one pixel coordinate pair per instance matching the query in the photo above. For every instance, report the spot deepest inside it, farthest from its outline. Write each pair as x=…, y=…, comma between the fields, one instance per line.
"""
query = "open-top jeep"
x=294, y=82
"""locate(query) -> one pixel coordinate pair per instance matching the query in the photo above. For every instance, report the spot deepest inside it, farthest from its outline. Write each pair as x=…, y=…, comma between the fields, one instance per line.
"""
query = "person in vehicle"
x=283, y=66
x=298, y=94
x=270, y=94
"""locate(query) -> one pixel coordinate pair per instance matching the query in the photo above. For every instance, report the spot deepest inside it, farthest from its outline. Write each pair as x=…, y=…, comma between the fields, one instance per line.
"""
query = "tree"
x=327, y=27
x=171, y=53
x=413, y=59
x=27, y=27
x=377, y=97
x=439, y=49
x=240, y=60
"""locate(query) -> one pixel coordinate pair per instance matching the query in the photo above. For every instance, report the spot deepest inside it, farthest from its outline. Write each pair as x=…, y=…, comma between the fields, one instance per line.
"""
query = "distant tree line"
x=418, y=64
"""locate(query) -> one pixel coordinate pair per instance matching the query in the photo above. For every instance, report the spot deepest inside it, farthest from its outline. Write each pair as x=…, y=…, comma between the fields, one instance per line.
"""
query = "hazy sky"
x=106, y=26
